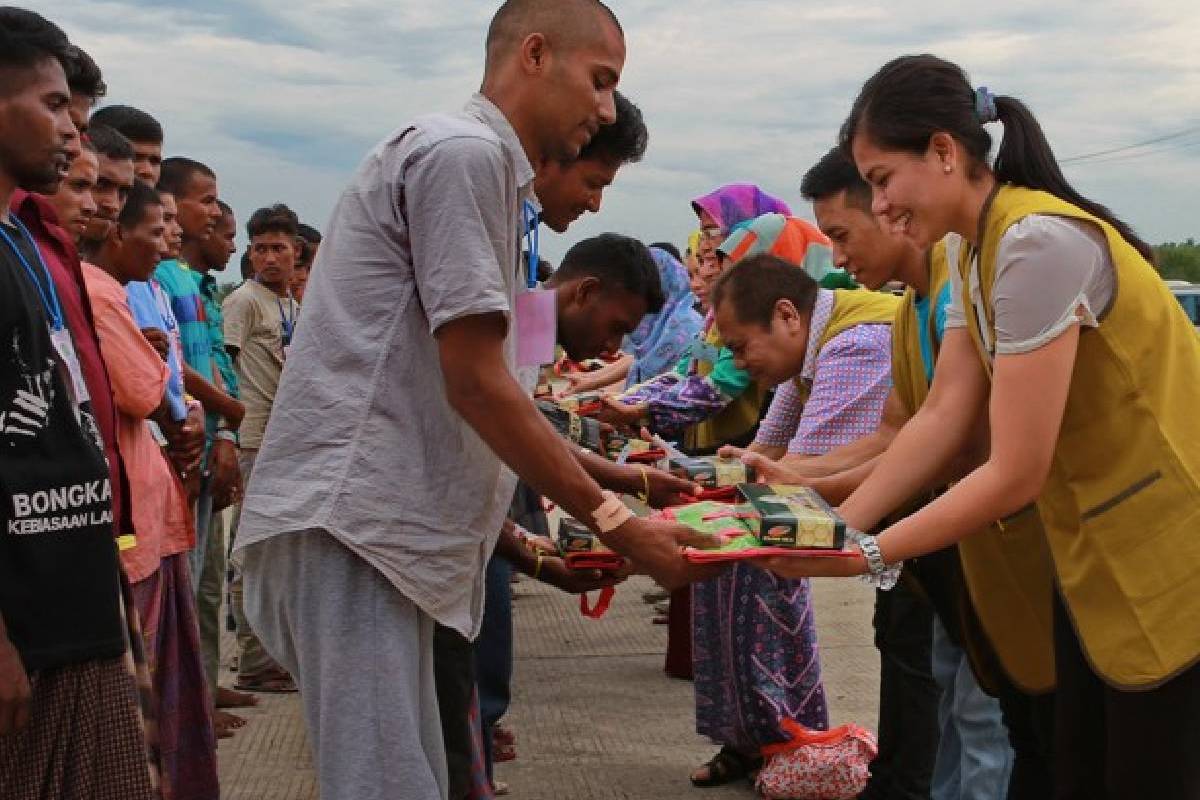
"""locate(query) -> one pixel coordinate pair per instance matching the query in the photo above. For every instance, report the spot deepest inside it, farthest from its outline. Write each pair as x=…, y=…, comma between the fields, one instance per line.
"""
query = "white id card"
x=65, y=347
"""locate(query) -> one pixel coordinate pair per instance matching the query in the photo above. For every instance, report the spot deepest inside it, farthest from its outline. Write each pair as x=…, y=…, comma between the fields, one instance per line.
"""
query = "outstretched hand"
x=618, y=414
x=577, y=581
x=665, y=489
x=766, y=470
x=814, y=567
x=656, y=549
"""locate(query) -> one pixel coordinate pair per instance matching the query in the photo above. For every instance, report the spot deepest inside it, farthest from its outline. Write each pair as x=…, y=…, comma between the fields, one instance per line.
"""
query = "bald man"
x=381, y=483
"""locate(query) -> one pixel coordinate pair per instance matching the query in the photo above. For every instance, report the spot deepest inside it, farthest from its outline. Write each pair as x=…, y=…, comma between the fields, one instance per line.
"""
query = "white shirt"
x=362, y=442
x=1051, y=273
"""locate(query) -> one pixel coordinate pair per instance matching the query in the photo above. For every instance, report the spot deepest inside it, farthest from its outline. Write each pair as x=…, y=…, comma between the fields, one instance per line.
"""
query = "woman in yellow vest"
x=1072, y=350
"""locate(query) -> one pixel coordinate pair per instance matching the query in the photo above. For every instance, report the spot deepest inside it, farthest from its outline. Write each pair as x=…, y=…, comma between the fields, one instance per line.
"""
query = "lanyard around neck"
x=286, y=322
x=47, y=292
x=530, y=216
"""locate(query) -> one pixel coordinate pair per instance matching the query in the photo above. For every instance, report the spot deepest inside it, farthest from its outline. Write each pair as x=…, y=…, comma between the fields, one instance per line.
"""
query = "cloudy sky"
x=284, y=98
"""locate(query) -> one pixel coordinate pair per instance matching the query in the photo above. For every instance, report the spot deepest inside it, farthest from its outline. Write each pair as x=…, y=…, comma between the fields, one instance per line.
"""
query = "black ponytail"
x=913, y=97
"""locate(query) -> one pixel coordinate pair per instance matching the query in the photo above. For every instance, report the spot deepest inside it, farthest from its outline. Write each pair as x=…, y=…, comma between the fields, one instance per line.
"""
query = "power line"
x=1114, y=150
x=1175, y=146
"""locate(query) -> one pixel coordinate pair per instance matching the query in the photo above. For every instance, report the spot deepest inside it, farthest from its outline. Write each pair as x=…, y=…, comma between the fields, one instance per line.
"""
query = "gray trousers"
x=362, y=655
x=254, y=662
x=208, y=601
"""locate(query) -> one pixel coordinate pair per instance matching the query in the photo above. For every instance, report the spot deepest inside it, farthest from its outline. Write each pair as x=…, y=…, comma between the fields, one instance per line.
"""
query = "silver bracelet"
x=879, y=574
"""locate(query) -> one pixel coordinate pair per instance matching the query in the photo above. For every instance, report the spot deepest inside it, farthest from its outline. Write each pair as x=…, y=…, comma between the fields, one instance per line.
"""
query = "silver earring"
x=946, y=169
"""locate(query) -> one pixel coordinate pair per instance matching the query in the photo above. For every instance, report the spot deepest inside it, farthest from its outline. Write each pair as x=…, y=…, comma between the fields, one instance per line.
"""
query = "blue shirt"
x=188, y=307
x=152, y=309
x=941, y=302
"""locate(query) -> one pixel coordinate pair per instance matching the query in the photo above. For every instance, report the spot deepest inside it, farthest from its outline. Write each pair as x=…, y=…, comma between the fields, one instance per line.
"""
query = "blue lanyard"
x=288, y=322
x=47, y=293
x=530, y=214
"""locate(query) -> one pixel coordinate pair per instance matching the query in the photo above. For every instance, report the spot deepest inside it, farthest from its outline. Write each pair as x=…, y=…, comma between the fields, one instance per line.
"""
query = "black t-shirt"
x=59, y=569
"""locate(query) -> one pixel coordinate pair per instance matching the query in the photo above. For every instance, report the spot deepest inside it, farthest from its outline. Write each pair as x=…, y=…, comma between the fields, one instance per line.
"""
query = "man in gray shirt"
x=388, y=462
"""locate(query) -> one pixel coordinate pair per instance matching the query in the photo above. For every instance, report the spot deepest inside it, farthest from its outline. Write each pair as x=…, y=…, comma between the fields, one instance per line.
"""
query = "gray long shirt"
x=362, y=441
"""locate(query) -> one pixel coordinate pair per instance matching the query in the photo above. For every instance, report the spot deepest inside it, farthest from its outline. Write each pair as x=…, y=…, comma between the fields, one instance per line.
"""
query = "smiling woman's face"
x=913, y=193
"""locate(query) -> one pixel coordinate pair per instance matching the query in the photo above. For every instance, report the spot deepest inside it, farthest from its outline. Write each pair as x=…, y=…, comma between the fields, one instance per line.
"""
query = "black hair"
x=225, y=207
x=28, y=39
x=273, y=219
x=308, y=233
x=616, y=261
x=913, y=97
x=110, y=143
x=83, y=74
x=545, y=270
x=757, y=283
x=835, y=173
x=177, y=172
x=247, y=266
x=141, y=196
x=137, y=125
x=669, y=249
x=623, y=142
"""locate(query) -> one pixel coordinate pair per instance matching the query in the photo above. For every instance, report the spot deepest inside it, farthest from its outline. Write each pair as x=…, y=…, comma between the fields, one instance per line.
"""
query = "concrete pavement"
x=594, y=715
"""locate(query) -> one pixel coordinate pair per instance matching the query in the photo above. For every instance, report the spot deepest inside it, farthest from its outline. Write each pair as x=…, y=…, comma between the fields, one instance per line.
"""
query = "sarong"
x=755, y=657
x=183, y=706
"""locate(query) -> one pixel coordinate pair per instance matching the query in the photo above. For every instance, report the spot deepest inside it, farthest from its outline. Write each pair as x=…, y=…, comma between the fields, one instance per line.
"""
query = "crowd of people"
x=1010, y=441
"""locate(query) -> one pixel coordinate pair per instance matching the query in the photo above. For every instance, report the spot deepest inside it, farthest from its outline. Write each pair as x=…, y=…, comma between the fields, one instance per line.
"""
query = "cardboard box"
x=711, y=472
x=574, y=537
x=587, y=401
x=793, y=516
x=581, y=549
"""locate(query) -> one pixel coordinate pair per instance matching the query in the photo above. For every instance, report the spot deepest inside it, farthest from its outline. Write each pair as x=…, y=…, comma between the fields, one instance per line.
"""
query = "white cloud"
x=282, y=99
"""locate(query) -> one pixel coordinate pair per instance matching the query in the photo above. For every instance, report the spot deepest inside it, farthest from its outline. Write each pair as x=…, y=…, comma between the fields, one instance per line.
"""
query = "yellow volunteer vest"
x=1121, y=506
x=1006, y=567
x=735, y=420
x=851, y=308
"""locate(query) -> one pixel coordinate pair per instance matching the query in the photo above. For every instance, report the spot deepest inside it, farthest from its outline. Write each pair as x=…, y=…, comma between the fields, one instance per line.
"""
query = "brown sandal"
x=727, y=766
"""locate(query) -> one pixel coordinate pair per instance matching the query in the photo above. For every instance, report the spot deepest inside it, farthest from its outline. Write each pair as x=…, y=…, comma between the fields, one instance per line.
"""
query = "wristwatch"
x=227, y=435
x=880, y=574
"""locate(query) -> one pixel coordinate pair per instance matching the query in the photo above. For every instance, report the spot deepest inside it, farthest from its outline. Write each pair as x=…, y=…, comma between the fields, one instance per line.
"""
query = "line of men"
x=143, y=337
x=134, y=402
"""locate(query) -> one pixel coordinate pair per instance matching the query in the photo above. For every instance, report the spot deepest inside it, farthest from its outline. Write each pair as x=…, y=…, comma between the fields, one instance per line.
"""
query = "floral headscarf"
x=664, y=338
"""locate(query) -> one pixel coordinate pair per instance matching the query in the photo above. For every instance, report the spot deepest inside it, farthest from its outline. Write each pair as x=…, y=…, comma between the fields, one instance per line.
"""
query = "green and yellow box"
x=711, y=472
x=793, y=516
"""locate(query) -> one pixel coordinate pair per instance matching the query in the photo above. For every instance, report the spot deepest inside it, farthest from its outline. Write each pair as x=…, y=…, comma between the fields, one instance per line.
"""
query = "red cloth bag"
x=817, y=765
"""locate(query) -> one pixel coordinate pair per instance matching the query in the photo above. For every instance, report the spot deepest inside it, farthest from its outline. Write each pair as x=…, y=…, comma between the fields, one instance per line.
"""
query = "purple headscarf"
x=737, y=203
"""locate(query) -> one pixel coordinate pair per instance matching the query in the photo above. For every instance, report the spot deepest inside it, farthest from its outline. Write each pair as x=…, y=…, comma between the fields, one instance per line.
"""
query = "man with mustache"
x=73, y=203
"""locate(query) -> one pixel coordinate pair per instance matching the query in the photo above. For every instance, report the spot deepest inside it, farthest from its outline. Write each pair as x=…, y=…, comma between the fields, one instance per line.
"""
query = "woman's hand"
x=814, y=566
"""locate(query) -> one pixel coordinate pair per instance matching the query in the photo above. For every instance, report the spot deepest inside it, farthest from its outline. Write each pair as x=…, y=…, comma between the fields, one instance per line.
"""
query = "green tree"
x=1179, y=260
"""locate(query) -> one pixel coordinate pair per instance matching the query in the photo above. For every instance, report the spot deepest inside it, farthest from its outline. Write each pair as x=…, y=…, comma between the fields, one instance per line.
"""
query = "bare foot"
x=230, y=698
x=225, y=723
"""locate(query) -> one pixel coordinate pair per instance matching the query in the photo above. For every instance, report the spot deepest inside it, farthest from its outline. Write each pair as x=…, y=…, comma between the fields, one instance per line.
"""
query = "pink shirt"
x=139, y=379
